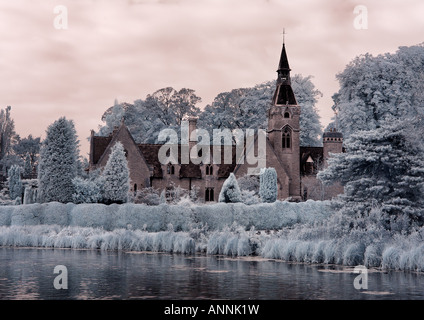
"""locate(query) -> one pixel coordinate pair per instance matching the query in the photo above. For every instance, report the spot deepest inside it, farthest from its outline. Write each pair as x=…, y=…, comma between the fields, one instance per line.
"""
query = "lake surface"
x=27, y=273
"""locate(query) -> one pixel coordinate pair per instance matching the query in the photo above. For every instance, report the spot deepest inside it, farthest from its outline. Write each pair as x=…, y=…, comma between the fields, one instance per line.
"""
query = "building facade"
x=296, y=166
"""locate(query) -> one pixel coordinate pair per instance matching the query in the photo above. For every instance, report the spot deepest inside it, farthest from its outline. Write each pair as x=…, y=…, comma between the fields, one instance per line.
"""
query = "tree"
x=268, y=188
x=112, y=118
x=245, y=108
x=7, y=139
x=27, y=167
x=230, y=191
x=249, y=183
x=381, y=168
x=249, y=187
x=380, y=106
x=374, y=88
x=7, y=131
x=149, y=196
x=165, y=108
x=27, y=146
x=86, y=191
x=15, y=182
x=171, y=106
x=58, y=162
x=307, y=97
x=116, y=180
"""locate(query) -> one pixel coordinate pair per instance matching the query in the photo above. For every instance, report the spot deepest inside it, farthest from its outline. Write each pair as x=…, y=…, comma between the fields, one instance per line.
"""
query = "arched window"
x=209, y=170
x=286, y=138
x=209, y=195
x=170, y=169
x=286, y=115
x=135, y=187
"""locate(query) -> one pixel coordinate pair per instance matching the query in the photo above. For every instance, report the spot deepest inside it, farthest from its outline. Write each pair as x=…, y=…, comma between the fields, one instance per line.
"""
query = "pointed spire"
x=284, y=62
x=284, y=93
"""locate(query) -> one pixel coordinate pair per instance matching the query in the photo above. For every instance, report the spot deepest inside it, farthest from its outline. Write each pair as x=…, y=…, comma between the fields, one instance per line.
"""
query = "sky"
x=73, y=58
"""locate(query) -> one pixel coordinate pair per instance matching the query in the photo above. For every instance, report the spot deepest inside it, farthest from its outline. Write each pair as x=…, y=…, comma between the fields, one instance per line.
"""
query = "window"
x=135, y=187
x=170, y=169
x=209, y=170
x=286, y=138
x=209, y=195
x=286, y=115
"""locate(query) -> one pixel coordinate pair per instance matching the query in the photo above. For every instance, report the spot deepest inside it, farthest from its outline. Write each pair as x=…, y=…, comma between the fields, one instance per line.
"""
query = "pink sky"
x=126, y=49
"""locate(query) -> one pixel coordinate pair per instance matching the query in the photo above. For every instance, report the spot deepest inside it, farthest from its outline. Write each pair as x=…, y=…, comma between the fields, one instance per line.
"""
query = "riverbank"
x=308, y=232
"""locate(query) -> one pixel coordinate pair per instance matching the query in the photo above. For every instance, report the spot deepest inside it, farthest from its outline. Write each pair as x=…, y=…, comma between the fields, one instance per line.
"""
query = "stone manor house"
x=296, y=166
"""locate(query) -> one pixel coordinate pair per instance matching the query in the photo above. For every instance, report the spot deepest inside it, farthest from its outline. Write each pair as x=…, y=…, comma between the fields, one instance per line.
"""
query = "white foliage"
x=116, y=181
x=15, y=182
x=54, y=236
x=230, y=191
x=183, y=217
x=58, y=162
x=307, y=232
x=249, y=197
x=30, y=192
x=86, y=191
x=268, y=189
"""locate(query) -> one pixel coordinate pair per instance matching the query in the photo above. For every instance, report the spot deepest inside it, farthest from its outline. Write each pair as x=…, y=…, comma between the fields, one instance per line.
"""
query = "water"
x=28, y=274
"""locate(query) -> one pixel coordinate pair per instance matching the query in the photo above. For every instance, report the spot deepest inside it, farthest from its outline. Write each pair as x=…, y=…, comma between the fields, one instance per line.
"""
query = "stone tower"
x=332, y=142
x=283, y=126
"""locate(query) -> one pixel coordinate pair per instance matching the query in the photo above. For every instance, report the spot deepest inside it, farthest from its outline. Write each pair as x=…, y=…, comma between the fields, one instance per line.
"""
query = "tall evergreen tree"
x=230, y=191
x=58, y=162
x=381, y=168
x=116, y=178
x=8, y=137
x=380, y=112
x=7, y=131
x=268, y=189
x=15, y=182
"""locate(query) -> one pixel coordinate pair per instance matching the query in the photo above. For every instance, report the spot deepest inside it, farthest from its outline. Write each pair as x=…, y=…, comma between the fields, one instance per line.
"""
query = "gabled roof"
x=315, y=153
x=150, y=154
x=99, y=145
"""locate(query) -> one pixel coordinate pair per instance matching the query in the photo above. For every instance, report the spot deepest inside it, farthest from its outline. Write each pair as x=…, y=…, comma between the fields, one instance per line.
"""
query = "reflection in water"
x=28, y=274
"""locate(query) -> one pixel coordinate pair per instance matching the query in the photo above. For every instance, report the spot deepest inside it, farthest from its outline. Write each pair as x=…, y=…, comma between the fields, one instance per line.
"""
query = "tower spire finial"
x=284, y=36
